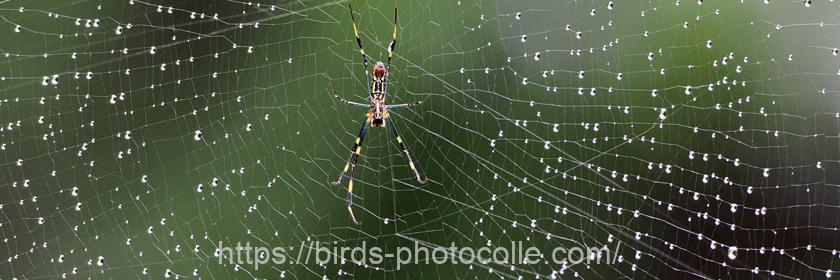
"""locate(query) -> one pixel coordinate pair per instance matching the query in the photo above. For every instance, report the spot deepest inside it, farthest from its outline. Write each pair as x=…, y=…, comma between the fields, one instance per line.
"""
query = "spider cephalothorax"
x=377, y=114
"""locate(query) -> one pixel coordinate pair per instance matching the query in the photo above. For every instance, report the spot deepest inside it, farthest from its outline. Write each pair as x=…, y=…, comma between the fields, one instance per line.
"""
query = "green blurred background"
x=118, y=129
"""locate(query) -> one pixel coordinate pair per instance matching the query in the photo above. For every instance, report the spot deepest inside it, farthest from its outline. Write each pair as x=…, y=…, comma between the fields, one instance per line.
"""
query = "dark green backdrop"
x=271, y=136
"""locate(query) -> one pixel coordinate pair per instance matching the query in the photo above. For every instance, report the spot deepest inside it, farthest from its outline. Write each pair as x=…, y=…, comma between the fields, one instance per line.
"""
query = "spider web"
x=700, y=138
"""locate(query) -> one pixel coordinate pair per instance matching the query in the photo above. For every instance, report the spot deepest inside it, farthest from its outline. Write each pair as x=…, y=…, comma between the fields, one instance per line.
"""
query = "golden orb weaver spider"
x=377, y=114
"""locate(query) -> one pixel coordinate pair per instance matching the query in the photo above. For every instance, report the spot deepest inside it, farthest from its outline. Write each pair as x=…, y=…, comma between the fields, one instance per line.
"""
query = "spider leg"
x=350, y=168
x=412, y=104
x=355, y=151
x=417, y=175
x=342, y=100
x=359, y=42
x=393, y=45
x=351, y=103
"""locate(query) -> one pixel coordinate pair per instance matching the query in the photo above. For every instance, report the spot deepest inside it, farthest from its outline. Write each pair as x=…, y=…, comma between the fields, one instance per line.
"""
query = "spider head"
x=379, y=70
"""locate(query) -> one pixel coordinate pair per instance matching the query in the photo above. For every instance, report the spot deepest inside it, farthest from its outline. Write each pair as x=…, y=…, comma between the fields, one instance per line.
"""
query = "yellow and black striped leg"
x=404, y=149
x=359, y=42
x=352, y=173
x=393, y=45
x=350, y=168
x=354, y=153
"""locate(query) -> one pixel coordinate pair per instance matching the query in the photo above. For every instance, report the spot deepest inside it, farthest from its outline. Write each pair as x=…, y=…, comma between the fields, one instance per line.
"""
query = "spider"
x=377, y=114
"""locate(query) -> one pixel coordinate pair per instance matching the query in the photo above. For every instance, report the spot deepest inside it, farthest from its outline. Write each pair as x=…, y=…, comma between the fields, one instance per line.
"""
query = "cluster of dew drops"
x=125, y=146
x=737, y=71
